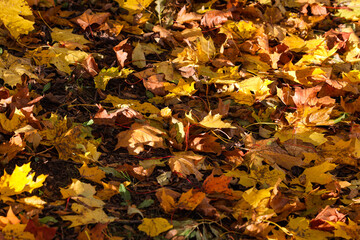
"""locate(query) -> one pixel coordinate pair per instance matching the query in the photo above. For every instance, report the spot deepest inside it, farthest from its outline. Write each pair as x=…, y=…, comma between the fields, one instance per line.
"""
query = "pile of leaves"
x=128, y=119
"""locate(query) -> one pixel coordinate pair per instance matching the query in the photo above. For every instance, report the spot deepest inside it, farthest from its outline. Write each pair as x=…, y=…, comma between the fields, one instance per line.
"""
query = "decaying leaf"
x=138, y=136
x=186, y=163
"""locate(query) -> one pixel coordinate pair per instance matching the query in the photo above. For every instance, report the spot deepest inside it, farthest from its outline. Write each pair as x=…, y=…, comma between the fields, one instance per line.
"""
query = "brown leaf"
x=327, y=214
x=234, y=157
x=207, y=209
x=90, y=65
x=155, y=84
x=214, y=18
x=95, y=233
x=218, y=185
x=205, y=143
x=184, y=17
x=123, y=50
x=165, y=34
x=8, y=150
x=138, y=136
x=89, y=18
x=122, y=117
x=186, y=163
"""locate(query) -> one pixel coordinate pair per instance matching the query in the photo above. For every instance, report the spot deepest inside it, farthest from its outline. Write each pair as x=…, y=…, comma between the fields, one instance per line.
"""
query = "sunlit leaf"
x=154, y=226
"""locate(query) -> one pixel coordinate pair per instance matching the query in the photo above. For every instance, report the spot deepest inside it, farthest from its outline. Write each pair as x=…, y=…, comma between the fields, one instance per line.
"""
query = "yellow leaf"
x=138, y=56
x=347, y=231
x=66, y=35
x=317, y=174
x=19, y=181
x=300, y=228
x=134, y=6
x=206, y=49
x=87, y=216
x=353, y=76
x=134, y=104
x=17, y=231
x=189, y=200
x=138, y=136
x=82, y=192
x=239, y=30
x=257, y=86
x=266, y=176
x=60, y=57
x=294, y=43
x=154, y=226
x=10, y=125
x=74, y=143
x=12, y=68
x=310, y=135
x=92, y=173
x=105, y=75
x=167, y=202
x=214, y=121
x=241, y=97
x=186, y=163
x=255, y=197
x=15, y=15
x=34, y=201
x=317, y=55
x=183, y=88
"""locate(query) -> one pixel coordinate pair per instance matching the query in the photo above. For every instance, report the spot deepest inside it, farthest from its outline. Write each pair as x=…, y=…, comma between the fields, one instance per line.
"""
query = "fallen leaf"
x=154, y=226
x=138, y=136
x=186, y=163
x=19, y=181
x=89, y=18
x=17, y=17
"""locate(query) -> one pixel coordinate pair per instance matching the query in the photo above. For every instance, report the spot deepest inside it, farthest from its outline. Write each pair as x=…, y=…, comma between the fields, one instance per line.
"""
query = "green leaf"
x=47, y=219
x=125, y=194
x=146, y=203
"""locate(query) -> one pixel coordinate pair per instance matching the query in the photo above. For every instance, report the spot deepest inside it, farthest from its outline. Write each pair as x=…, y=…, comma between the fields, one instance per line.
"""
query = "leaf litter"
x=179, y=120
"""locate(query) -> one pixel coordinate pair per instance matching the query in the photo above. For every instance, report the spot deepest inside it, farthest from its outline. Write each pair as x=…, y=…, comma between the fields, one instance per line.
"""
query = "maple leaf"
x=138, y=136
x=214, y=18
x=205, y=143
x=91, y=173
x=86, y=216
x=19, y=181
x=134, y=104
x=82, y=192
x=68, y=141
x=17, y=231
x=214, y=121
x=40, y=231
x=183, y=16
x=9, y=150
x=154, y=226
x=186, y=163
x=187, y=201
x=12, y=68
x=218, y=185
x=16, y=16
x=59, y=56
x=88, y=18
x=183, y=88
x=327, y=214
x=105, y=75
x=300, y=228
x=66, y=35
x=94, y=233
x=9, y=219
